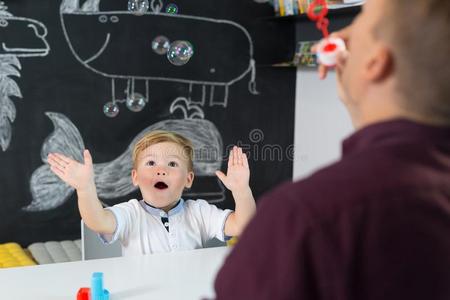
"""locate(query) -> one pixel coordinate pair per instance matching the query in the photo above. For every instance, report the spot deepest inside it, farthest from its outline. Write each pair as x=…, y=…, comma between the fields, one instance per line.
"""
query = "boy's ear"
x=190, y=180
x=134, y=177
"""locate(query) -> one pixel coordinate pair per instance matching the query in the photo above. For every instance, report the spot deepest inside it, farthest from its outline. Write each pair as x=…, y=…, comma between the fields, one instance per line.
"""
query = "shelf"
x=331, y=13
x=305, y=32
x=277, y=65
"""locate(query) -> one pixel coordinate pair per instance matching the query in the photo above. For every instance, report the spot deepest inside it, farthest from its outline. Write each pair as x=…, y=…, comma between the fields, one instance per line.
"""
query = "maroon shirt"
x=375, y=225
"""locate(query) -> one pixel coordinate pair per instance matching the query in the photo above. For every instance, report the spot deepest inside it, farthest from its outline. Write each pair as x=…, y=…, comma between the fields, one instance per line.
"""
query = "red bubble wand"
x=328, y=48
x=317, y=12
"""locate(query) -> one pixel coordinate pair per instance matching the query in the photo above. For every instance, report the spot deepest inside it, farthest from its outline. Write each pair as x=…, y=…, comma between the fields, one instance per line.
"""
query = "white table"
x=169, y=276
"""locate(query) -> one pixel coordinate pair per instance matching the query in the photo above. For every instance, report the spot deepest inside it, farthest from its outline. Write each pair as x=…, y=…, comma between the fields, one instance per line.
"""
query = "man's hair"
x=419, y=32
x=161, y=136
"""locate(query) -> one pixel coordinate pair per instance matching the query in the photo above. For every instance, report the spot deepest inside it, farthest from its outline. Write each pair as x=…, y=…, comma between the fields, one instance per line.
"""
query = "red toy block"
x=84, y=294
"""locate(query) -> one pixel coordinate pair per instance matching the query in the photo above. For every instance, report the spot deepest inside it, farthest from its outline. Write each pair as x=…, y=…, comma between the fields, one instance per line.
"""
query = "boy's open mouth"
x=161, y=185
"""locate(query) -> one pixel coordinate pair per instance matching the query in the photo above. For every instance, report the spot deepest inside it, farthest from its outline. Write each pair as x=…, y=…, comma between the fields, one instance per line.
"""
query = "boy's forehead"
x=164, y=149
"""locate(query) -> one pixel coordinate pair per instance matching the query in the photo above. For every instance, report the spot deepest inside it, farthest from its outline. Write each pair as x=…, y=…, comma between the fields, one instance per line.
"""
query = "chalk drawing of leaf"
x=10, y=60
x=8, y=70
x=9, y=66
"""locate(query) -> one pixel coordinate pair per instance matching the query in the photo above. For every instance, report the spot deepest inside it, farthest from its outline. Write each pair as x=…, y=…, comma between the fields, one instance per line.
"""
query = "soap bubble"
x=111, y=109
x=180, y=52
x=138, y=7
x=160, y=45
x=136, y=102
x=172, y=8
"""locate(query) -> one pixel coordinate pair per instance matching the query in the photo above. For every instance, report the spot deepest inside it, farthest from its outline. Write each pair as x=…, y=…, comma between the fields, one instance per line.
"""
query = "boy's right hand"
x=77, y=175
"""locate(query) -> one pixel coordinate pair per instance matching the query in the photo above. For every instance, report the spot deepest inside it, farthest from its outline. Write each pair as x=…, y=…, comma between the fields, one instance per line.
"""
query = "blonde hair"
x=161, y=136
x=419, y=33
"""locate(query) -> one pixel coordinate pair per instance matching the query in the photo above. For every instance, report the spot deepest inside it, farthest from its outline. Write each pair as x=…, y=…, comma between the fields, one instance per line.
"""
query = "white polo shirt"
x=191, y=224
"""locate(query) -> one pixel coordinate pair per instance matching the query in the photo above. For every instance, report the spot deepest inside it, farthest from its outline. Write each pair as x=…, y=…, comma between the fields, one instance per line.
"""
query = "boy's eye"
x=150, y=163
x=173, y=164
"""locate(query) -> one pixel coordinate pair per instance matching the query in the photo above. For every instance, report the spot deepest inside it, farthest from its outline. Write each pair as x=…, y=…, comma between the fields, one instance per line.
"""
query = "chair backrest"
x=214, y=243
x=93, y=248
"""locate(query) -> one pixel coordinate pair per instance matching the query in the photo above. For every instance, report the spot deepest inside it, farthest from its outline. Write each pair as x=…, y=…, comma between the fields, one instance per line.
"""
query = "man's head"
x=397, y=61
x=162, y=167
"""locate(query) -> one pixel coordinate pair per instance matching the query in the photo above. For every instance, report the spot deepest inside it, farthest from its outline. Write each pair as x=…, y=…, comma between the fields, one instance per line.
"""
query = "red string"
x=320, y=16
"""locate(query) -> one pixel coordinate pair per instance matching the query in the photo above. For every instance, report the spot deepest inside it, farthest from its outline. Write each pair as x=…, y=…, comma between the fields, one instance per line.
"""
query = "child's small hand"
x=77, y=175
x=238, y=173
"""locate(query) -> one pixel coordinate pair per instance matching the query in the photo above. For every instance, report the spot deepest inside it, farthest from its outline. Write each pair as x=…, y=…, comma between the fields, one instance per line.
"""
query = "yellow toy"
x=12, y=255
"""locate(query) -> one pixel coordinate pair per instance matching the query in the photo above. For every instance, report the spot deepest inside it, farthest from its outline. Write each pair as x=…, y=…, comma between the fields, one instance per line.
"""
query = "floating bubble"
x=111, y=109
x=136, y=102
x=180, y=52
x=160, y=45
x=138, y=7
x=172, y=8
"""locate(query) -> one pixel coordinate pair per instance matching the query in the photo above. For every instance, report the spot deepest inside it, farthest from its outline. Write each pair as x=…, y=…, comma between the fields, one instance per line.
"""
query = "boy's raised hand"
x=238, y=173
x=77, y=175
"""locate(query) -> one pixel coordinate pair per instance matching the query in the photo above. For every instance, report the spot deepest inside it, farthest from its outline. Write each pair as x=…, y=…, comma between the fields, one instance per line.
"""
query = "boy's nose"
x=161, y=173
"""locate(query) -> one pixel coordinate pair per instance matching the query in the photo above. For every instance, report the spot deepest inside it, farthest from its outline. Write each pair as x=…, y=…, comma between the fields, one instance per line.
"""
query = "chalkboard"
x=62, y=61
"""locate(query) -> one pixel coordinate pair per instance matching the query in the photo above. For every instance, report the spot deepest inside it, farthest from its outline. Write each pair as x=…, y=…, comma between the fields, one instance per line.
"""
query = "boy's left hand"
x=238, y=173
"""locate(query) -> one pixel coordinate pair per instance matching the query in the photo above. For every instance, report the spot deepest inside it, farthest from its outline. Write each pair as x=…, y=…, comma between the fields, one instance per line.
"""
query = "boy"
x=162, y=221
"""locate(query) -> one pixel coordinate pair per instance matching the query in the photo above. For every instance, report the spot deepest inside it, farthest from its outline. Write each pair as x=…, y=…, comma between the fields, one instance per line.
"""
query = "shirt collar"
x=393, y=132
x=161, y=213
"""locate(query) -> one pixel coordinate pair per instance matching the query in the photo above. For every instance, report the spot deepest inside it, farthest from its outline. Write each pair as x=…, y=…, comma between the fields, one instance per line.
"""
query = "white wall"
x=321, y=123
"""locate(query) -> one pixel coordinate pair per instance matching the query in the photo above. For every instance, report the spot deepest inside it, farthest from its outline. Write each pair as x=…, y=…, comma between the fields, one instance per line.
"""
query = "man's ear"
x=379, y=65
x=190, y=180
x=134, y=177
